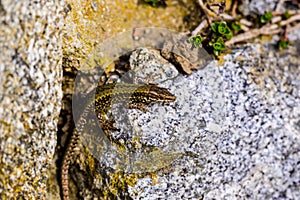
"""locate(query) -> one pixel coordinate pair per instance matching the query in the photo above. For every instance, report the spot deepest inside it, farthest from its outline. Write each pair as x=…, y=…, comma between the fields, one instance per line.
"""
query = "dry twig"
x=201, y=26
x=210, y=15
x=234, y=7
x=274, y=27
x=206, y=11
x=265, y=30
x=290, y=20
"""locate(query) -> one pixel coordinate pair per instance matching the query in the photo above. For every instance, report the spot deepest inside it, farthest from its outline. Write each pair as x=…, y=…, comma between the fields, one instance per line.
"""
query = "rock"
x=30, y=93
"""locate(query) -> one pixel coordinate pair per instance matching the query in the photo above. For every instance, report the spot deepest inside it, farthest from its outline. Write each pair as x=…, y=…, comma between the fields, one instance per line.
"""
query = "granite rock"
x=30, y=93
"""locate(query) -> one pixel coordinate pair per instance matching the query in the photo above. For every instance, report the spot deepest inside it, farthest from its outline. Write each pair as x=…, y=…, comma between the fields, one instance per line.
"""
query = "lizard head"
x=152, y=93
x=159, y=94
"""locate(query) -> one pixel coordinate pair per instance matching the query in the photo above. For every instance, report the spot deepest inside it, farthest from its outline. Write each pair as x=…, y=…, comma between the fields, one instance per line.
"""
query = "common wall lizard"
x=135, y=96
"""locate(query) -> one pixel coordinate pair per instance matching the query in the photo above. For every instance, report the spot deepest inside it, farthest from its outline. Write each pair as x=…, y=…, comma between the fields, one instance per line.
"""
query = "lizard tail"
x=69, y=154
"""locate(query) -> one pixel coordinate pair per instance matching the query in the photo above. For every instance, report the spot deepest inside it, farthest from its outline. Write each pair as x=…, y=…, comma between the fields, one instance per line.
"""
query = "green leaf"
x=196, y=41
x=236, y=26
x=283, y=44
x=223, y=28
x=266, y=17
x=154, y=3
x=229, y=36
x=220, y=40
x=287, y=15
x=219, y=44
x=214, y=26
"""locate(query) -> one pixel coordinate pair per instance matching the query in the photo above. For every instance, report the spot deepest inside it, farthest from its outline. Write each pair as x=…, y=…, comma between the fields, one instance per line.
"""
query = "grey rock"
x=248, y=147
x=250, y=7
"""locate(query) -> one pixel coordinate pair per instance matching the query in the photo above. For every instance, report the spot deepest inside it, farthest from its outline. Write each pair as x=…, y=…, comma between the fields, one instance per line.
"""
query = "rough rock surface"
x=249, y=7
x=234, y=127
x=237, y=127
x=30, y=93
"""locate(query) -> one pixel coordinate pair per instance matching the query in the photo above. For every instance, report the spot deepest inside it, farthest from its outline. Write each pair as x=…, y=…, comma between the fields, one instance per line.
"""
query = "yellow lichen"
x=89, y=23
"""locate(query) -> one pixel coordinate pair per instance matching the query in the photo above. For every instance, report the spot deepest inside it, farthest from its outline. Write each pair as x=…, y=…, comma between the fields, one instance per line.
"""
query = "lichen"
x=91, y=22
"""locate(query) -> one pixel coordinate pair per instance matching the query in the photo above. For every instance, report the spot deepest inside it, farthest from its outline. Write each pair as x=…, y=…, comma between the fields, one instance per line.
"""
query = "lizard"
x=135, y=96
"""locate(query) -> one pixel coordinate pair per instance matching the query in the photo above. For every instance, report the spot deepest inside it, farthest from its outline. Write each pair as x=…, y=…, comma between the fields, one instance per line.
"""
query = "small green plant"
x=218, y=46
x=283, y=44
x=286, y=15
x=156, y=3
x=266, y=17
x=221, y=32
x=196, y=41
x=236, y=26
x=221, y=29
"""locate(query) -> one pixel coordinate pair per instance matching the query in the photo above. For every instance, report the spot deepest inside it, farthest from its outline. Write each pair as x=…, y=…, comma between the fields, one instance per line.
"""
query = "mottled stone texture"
x=237, y=126
x=30, y=93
